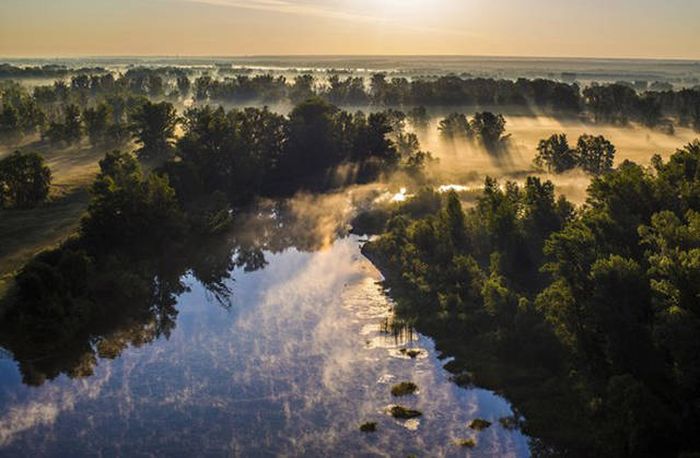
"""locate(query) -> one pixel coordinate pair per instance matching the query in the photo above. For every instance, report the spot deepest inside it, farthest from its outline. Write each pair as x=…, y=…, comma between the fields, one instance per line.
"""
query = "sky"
x=539, y=28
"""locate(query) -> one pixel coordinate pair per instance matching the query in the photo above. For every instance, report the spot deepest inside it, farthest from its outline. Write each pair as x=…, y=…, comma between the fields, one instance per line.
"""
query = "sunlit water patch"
x=299, y=361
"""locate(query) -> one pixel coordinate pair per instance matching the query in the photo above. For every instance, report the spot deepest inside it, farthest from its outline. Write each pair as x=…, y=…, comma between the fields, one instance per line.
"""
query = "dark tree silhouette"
x=153, y=126
x=24, y=180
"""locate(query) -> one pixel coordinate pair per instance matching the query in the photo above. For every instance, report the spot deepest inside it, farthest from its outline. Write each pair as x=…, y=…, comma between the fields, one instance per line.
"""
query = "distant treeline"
x=24, y=111
x=8, y=71
x=613, y=103
x=96, y=105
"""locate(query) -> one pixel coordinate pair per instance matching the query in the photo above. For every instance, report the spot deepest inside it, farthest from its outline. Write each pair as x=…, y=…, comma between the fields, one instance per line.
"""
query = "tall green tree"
x=24, y=180
x=153, y=126
x=596, y=154
x=135, y=214
x=490, y=130
x=555, y=154
x=96, y=122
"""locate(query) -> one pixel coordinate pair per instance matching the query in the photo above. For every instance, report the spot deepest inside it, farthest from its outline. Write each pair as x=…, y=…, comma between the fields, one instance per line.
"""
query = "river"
x=291, y=365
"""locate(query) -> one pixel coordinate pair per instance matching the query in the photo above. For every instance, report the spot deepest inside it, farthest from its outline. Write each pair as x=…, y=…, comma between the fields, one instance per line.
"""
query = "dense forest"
x=587, y=318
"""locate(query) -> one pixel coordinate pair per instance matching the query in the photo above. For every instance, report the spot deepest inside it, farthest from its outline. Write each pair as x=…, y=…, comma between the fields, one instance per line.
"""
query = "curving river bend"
x=296, y=363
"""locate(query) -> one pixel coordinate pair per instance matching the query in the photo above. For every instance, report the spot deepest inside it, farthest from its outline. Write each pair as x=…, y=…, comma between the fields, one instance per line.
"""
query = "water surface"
x=291, y=366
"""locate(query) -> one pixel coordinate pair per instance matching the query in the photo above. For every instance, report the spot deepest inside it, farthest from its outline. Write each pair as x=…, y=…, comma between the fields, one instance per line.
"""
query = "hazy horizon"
x=343, y=56
x=543, y=28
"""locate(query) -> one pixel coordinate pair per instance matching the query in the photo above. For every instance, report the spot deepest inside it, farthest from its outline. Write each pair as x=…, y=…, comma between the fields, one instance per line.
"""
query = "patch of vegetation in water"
x=410, y=352
x=404, y=413
x=466, y=443
x=404, y=389
x=368, y=427
x=463, y=379
x=479, y=424
x=509, y=423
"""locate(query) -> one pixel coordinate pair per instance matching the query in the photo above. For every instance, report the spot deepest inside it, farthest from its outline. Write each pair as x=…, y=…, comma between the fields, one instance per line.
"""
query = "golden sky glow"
x=587, y=28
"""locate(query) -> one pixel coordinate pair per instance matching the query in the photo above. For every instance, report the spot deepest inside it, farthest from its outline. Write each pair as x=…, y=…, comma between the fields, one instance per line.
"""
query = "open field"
x=24, y=233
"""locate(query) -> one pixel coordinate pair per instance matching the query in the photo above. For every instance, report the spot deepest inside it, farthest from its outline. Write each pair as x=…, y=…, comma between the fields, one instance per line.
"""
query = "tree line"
x=485, y=128
x=593, y=154
x=587, y=319
x=10, y=71
x=611, y=103
x=50, y=109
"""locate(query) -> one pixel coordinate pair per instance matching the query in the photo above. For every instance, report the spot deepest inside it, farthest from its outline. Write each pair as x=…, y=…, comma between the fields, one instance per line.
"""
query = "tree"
x=9, y=123
x=555, y=154
x=455, y=126
x=489, y=129
x=303, y=88
x=70, y=130
x=413, y=160
x=72, y=127
x=184, y=85
x=96, y=122
x=233, y=152
x=454, y=221
x=595, y=154
x=419, y=118
x=19, y=112
x=131, y=212
x=24, y=180
x=673, y=256
x=153, y=126
x=379, y=126
x=312, y=146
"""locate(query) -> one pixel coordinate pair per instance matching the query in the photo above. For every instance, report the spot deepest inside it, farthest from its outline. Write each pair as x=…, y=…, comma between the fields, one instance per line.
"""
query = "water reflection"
x=283, y=345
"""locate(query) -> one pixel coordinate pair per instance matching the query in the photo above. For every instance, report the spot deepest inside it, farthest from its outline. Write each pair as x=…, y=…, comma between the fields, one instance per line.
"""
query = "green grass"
x=24, y=233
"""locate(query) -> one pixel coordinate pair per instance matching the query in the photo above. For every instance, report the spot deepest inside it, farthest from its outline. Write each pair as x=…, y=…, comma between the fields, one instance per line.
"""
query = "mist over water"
x=293, y=366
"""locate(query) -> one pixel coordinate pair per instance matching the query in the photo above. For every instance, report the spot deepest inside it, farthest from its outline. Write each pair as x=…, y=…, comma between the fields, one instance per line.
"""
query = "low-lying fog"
x=466, y=164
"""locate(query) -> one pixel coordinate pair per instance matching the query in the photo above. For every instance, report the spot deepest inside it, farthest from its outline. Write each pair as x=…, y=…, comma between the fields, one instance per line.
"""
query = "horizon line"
x=346, y=56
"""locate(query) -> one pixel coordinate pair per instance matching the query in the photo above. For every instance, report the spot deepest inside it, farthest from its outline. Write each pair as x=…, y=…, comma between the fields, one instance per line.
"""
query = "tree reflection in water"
x=134, y=304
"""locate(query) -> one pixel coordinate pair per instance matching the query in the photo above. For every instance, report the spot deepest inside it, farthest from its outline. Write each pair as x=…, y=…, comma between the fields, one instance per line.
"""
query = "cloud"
x=331, y=10
x=288, y=7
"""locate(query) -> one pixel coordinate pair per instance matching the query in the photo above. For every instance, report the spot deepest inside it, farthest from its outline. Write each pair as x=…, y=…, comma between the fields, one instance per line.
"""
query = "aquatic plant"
x=411, y=353
x=509, y=423
x=404, y=389
x=479, y=424
x=468, y=443
x=368, y=427
x=404, y=412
